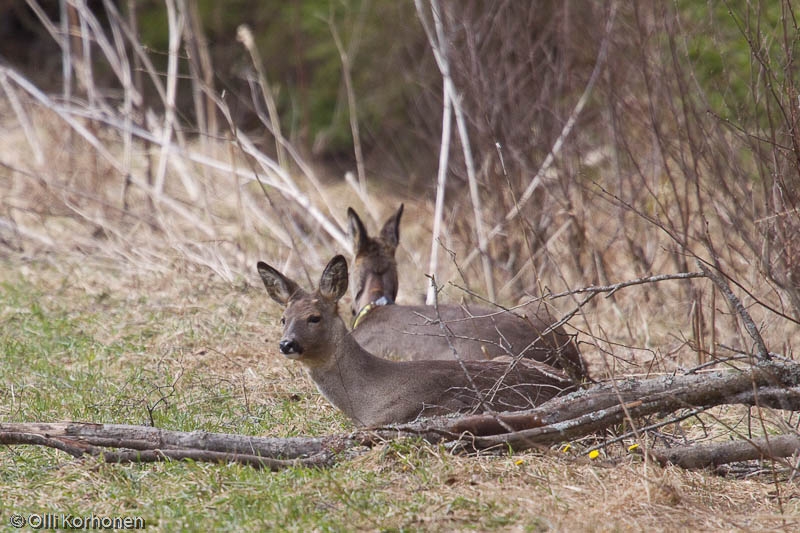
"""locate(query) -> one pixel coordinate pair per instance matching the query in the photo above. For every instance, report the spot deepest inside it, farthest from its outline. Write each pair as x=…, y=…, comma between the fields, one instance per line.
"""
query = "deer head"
x=311, y=323
x=374, y=265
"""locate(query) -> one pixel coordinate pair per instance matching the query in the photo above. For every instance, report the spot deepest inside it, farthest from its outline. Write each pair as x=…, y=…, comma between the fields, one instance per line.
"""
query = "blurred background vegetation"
x=687, y=105
x=388, y=50
x=510, y=53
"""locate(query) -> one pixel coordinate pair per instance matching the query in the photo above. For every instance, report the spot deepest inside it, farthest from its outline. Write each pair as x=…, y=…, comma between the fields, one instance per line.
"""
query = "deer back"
x=414, y=332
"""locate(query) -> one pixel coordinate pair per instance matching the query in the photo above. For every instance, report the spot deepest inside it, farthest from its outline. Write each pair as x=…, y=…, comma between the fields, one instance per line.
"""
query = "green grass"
x=191, y=355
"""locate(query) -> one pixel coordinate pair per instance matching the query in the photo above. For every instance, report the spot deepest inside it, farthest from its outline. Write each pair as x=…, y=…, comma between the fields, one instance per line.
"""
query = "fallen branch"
x=772, y=383
x=149, y=444
x=586, y=412
x=719, y=453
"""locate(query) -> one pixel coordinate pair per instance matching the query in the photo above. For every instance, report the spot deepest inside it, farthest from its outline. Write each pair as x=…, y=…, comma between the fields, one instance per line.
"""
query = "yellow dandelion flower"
x=594, y=454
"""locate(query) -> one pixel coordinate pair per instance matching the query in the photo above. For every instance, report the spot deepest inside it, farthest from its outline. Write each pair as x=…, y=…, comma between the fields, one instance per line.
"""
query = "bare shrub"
x=721, y=188
x=519, y=70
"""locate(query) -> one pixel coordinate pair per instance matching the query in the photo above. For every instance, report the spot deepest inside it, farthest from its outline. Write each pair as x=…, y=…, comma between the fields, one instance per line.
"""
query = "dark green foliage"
x=303, y=64
x=725, y=43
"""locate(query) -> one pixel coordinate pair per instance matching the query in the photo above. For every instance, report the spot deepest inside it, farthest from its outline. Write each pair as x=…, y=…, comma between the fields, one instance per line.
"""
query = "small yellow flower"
x=594, y=454
x=519, y=462
x=633, y=448
x=567, y=447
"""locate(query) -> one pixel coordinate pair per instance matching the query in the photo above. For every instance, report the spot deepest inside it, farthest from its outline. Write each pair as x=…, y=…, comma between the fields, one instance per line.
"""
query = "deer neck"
x=350, y=378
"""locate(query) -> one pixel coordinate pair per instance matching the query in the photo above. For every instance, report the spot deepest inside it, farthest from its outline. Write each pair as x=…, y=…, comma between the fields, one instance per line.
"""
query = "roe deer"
x=374, y=391
x=413, y=331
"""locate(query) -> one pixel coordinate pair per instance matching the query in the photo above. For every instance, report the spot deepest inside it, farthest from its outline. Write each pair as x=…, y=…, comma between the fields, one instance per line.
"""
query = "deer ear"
x=279, y=287
x=358, y=233
x=391, y=229
x=333, y=282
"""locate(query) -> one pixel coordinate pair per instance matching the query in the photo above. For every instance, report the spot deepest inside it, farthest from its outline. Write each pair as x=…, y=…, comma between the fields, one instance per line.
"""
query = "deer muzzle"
x=291, y=349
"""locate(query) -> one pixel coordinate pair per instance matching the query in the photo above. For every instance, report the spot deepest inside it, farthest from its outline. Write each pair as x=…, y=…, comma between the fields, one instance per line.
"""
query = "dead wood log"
x=147, y=444
x=774, y=383
x=719, y=453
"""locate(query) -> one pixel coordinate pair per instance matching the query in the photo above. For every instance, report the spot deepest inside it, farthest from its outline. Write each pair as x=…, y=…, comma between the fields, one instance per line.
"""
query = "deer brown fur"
x=414, y=331
x=373, y=391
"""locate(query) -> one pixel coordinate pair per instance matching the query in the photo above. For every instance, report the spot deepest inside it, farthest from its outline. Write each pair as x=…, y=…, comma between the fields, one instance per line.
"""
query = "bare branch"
x=737, y=306
x=611, y=289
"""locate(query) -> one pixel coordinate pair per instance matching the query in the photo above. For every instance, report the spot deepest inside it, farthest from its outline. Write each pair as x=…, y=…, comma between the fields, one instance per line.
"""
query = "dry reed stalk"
x=66, y=55
x=175, y=24
x=28, y=233
x=24, y=121
x=202, y=75
x=66, y=114
x=441, y=178
x=439, y=46
x=245, y=36
x=129, y=92
x=283, y=147
x=346, y=56
x=111, y=53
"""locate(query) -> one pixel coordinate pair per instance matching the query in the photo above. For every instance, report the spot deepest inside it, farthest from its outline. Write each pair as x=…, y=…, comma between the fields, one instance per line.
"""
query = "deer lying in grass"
x=413, y=331
x=374, y=391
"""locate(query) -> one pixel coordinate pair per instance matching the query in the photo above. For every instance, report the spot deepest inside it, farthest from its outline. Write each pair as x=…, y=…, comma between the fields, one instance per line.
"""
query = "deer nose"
x=290, y=347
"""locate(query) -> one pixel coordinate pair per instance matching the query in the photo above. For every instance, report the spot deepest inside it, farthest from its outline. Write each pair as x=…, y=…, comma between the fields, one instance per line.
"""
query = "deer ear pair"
x=390, y=233
x=332, y=283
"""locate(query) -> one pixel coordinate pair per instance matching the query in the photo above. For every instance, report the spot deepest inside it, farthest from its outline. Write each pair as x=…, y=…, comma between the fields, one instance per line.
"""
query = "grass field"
x=90, y=341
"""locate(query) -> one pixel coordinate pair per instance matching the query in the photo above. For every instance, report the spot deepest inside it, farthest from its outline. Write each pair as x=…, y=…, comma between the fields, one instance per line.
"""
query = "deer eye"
x=313, y=319
x=283, y=321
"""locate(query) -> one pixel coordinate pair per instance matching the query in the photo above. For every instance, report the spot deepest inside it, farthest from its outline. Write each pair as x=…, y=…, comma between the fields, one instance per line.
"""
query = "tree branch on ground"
x=772, y=383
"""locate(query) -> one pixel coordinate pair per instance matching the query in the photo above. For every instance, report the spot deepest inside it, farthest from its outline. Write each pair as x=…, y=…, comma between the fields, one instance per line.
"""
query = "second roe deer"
x=413, y=331
x=373, y=391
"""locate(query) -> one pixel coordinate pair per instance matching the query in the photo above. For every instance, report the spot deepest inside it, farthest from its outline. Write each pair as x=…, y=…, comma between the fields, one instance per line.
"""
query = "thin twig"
x=737, y=306
x=245, y=36
x=611, y=289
